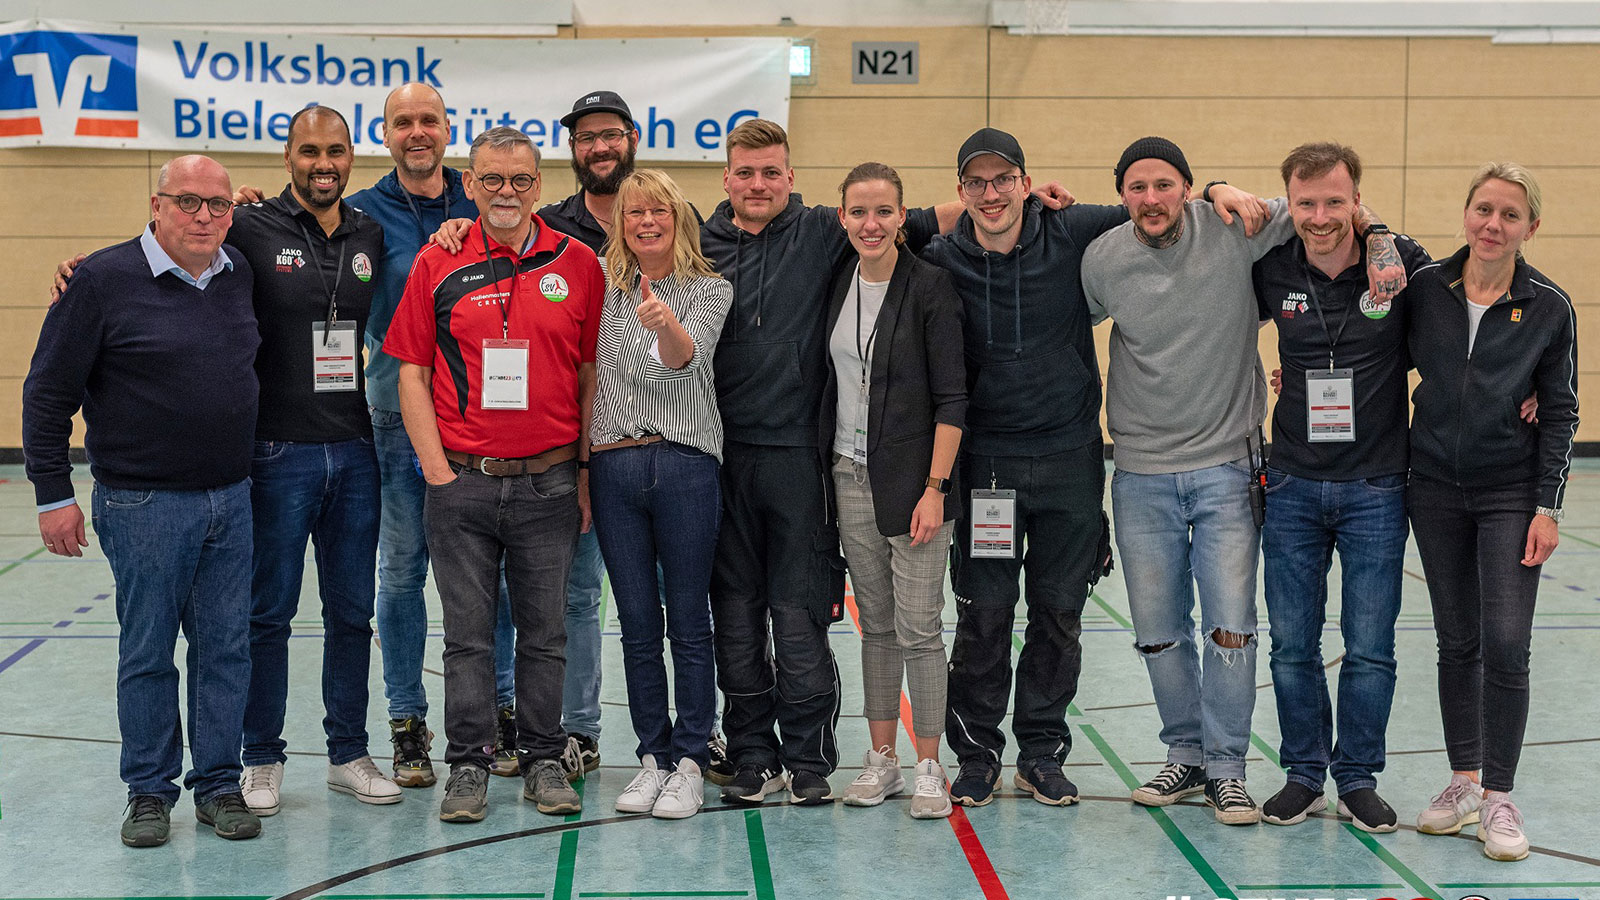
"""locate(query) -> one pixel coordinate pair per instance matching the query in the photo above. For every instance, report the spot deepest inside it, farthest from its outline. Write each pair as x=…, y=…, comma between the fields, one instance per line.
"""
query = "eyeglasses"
x=521, y=183
x=977, y=187
x=634, y=215
x=611, y=136
x=190, y=203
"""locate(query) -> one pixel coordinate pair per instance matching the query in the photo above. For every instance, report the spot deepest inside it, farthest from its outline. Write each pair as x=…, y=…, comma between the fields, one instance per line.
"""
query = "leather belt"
x=628, y=442
x=506, y=468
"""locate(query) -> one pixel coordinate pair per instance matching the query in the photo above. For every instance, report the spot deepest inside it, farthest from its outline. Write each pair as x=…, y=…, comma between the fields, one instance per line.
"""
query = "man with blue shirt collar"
x=156, y=340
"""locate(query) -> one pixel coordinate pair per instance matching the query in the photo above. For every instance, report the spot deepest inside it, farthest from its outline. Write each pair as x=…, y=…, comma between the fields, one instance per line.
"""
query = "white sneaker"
x=261, y=786
x=682, y=793
x=931, y=799
x=879, y=780
x=1451, y=808
x=641, y=793
x=361, y=779
x=1501, y=830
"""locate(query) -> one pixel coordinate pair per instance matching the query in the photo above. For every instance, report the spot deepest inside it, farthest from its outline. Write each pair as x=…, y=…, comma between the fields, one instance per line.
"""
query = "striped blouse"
x=636, y=394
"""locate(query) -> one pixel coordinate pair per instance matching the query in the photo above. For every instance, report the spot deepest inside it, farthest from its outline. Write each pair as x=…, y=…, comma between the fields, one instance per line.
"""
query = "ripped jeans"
x=1175, y=533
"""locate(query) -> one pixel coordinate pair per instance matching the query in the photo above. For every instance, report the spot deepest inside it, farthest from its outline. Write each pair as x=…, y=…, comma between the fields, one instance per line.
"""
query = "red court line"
x=971, y=847
x=21, y=126
x=88, y=127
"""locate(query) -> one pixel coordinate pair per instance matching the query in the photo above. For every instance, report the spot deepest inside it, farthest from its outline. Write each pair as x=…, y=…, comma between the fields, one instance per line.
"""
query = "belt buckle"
x=483, y=464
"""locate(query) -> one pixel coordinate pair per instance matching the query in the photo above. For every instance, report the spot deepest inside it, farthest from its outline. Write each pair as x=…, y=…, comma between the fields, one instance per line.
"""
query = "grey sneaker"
x=931, y=799
x=229, y=817
x=466, y=794
x=546, y=785
x=149, y=822
x=879, y=780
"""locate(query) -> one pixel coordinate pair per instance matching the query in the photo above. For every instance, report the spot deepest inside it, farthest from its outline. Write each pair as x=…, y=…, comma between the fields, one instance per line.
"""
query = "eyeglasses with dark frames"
x=521, y=182
x=190, y=203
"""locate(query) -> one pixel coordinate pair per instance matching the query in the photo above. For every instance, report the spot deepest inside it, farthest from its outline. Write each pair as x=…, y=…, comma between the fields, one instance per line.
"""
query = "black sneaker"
x=581, y=757
x=505, y=743
x=1231, y=801
x=720, y=771
x=1042, y=778
x=1174, y=782
x=1291, y=805
x=752, y=784
x=976, y=782
x=809, y=789
x=229, y=817
x=149, y=821
x=412, y=741
x=1367, y=811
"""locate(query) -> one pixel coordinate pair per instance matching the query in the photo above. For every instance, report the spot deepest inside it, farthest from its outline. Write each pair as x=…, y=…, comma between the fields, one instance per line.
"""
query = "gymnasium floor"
x=61, y=800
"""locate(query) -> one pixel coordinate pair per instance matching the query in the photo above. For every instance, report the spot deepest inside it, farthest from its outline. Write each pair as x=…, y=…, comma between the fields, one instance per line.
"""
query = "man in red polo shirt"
x=496, y=348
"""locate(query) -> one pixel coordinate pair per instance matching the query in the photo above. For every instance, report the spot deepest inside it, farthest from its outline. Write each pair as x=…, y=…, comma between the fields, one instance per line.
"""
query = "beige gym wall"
x=1423, y=113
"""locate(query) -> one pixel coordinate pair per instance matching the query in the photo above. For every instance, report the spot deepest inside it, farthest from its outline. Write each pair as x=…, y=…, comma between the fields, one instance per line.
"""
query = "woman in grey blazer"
x=895, y=407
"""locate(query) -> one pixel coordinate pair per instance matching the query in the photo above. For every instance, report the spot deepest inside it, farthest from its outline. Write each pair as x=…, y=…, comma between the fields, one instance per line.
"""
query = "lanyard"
x=338, y=275
x=416, y=212
x=864, y=353
x=494, y=278
x=1316, y=304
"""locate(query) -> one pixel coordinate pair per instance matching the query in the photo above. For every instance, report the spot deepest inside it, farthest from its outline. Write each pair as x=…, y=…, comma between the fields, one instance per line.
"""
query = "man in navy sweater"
x=156, y=340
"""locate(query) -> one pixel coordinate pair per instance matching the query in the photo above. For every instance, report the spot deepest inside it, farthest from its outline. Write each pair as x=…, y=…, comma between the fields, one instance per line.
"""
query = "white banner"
x=88, y=85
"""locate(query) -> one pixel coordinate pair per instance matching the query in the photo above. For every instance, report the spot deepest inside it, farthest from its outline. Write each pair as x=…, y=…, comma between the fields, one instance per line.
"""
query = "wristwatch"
x=1557, y=514
x=1206, y=194
x=942, y=485
x=1378, y=228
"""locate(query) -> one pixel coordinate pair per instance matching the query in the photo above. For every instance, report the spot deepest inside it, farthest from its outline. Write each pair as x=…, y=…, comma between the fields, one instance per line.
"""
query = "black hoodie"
x=1466, y=429
x=771, y=365
x=1033, y=383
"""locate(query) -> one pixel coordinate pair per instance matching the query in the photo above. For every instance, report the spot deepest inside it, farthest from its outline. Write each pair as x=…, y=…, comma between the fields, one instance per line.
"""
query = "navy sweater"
x=163, y=371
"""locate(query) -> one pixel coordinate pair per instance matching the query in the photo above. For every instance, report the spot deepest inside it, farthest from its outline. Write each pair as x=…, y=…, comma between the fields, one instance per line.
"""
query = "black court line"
x=313, y=890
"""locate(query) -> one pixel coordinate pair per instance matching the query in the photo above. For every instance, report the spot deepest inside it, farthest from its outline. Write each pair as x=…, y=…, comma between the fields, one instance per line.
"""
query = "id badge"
x=333, y=361
x=994, y=520
x=858, y=449
x=1330, y=405
x=505, y=374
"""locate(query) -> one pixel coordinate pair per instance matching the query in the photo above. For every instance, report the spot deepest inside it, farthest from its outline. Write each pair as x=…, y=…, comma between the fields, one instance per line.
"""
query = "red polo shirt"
x=452, y=304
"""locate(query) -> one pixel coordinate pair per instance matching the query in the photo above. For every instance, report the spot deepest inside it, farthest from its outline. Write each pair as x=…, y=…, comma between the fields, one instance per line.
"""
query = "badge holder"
x=1330, y=406
x=334, y=356
x=994, y=523
x=505, y=374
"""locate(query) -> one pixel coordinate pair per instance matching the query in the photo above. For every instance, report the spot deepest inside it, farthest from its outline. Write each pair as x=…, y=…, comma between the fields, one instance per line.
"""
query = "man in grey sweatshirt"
x=1185, y=399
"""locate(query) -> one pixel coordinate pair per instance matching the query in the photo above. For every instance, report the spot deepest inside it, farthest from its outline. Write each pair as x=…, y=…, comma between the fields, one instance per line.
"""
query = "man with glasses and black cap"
x=496, y=348
x=1032, y=467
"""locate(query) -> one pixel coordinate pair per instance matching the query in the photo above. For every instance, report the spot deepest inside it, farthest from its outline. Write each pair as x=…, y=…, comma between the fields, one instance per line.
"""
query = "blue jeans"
x=1306, y=520
x=329, y=493
x=179, y=559
x=402, y=573
x=662, y=502
x=580, y=695
x=1175, y=533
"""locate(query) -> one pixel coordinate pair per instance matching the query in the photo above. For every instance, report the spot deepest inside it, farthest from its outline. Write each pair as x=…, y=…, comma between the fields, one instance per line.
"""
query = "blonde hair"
x=1515, y=174
x=654, y=186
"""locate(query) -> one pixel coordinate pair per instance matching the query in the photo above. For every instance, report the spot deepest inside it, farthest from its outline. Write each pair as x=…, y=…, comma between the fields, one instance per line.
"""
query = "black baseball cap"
x=990, y=140
x=598, y=102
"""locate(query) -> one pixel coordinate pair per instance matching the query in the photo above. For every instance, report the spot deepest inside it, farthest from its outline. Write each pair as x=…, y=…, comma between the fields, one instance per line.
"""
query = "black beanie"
x=1153, y=148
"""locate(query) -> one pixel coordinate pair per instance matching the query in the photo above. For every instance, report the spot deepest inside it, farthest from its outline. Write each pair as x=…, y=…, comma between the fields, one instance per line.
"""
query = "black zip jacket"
x=771, y=364
x=1466, y=429
x=1033, y=383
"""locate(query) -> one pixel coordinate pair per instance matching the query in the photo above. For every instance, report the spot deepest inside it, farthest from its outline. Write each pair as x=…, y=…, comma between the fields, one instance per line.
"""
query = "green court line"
x=760, y=865
x=1521, y=884
x=1582, y=539
x=1115, y=616
x=41, y=550
x=567, y=859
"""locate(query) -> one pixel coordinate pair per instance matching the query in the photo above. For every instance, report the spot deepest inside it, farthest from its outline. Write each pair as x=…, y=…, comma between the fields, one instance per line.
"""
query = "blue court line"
x=26, y=649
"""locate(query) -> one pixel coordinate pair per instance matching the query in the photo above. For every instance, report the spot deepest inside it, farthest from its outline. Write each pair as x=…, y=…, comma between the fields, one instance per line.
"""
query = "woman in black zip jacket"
x=1487, y=487
x=895, y=406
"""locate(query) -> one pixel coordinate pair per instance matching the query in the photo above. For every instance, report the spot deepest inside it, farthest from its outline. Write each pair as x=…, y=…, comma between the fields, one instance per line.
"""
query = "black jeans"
x=530, y=523
x=1471, y=541
x=1060, y=519
x=776, y=555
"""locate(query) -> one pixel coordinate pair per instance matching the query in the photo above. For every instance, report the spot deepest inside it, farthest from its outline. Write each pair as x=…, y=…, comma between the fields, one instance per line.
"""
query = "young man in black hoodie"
x=1033, y=454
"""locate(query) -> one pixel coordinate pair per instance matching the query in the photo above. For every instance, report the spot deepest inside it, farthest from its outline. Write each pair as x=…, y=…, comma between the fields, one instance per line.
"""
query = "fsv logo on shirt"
x=61, y=83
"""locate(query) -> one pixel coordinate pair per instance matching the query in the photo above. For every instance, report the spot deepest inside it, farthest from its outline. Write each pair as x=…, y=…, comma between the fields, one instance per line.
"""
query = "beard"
x=605, y=185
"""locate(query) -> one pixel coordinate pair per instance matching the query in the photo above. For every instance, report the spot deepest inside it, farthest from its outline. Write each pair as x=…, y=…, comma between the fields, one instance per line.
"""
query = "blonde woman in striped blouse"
x=654, y=479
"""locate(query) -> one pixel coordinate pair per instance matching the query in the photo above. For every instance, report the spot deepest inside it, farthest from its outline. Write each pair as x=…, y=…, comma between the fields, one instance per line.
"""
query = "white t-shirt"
x=846, y=345
x=1474, y=316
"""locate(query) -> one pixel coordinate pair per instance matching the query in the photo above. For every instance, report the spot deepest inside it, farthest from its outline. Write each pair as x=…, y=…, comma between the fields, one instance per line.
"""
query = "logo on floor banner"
x=63, y=84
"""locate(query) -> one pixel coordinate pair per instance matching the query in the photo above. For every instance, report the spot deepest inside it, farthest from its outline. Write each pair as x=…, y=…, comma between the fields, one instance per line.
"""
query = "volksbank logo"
x=65, y=83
